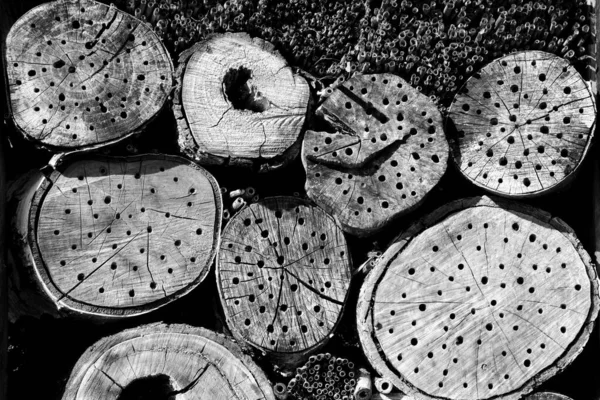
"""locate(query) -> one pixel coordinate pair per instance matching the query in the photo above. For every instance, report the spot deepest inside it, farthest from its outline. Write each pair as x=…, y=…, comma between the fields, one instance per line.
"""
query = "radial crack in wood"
x=481, y=299
x=238, y=102
x=283, y=273
x=389, y=150
x=524, y=124
x=166, y=363
x=83, y=74
x=117, y=237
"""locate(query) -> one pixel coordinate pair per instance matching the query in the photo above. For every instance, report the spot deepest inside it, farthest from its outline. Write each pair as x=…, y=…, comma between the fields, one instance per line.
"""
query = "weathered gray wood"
x=166, y=362
x=525, y=123
x=283, y=273
x=115, y=237
x=83, y=74
x=238, y=102
x=480, y=299
x=388, y=152
x=547, y=396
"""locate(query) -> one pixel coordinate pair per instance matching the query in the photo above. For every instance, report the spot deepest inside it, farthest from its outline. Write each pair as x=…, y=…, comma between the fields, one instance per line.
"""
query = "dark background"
x=41, y=352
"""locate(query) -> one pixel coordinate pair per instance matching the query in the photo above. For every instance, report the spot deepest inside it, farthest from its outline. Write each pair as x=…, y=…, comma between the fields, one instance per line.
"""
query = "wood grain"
x=388, y=151
x=193, y=363
x=283, y=273
x=123, y=236
x=480, y=299
x=524, y=122
x=238, y=102
x=83, y=74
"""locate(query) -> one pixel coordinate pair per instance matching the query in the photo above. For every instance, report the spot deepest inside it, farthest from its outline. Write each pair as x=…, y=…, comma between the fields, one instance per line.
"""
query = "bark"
x=480, y=299
x=82, y=74
x=238, y=102
x=388, y=152
x=283, y=273
x=524, y=124
x=166, y=362
x=113, y=237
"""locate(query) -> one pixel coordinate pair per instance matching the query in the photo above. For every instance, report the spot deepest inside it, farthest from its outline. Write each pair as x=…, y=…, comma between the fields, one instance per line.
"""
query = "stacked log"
x=82, y=75
x=238, y=103
x=113, y=237
x=524, y=124
x=481, y=298
x=387, y=153
x=283, y=273
x=166, y=362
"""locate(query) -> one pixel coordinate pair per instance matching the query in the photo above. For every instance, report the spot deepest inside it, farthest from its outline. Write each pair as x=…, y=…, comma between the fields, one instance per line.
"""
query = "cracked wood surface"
x=524, y=124
x=123, y=236
x=83, y=74
x=389, y=150
x=283, y=273
x=481, y=299
x=198, y=363
x=213, y=127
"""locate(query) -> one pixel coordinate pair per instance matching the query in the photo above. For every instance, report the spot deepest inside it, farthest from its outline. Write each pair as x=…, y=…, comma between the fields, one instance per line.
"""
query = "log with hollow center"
x=283, y=272
x=239, y=103
x=524, y=124
x=166, y=362
x=83, y=74
x=481, y=299
x=388, y=152
x=120, y=236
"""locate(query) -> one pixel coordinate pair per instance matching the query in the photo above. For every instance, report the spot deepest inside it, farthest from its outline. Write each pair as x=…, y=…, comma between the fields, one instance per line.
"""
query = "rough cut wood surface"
x=82, y=74
x=389, y=150
x=239, y=103
x=524, y=124
x=547, y=396
x=283, y=273
x=166, y=362
x=481, y=299
x=122, y=236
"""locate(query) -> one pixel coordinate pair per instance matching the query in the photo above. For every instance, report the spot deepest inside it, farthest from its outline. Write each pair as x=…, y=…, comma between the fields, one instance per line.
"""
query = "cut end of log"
x=82, y=74
x=283, y=273
x=123, y=236
x=481, y=299
x=524, y=124
x=239, y=103
x=166, y=362
x=389, y=150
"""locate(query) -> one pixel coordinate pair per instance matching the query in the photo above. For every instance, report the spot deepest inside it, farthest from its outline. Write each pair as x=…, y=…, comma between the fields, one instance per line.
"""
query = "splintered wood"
x=480, y=300
x=389, y=150
x=166, y=362
x=524, y=124
x=81, y=74
x=238, y=102
x=283, y=273
x=117, y=237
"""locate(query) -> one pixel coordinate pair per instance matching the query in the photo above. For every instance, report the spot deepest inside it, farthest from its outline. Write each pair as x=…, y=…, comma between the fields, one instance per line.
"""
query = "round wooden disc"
x=524, y=124
x=120, y=236
x=388, y=152
x=283, y=273
x=83, y=74
x=166, y=362
x=238, y=102
x=480, y=300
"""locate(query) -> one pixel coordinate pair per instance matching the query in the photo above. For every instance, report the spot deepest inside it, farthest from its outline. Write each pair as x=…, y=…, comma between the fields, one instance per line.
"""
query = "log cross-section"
x=283, y=273
x=238, y=102
x=481, y=299
x=120, y=236
x=166, y=362
x=83, y=74
x=389, y=150
x=524, y=124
